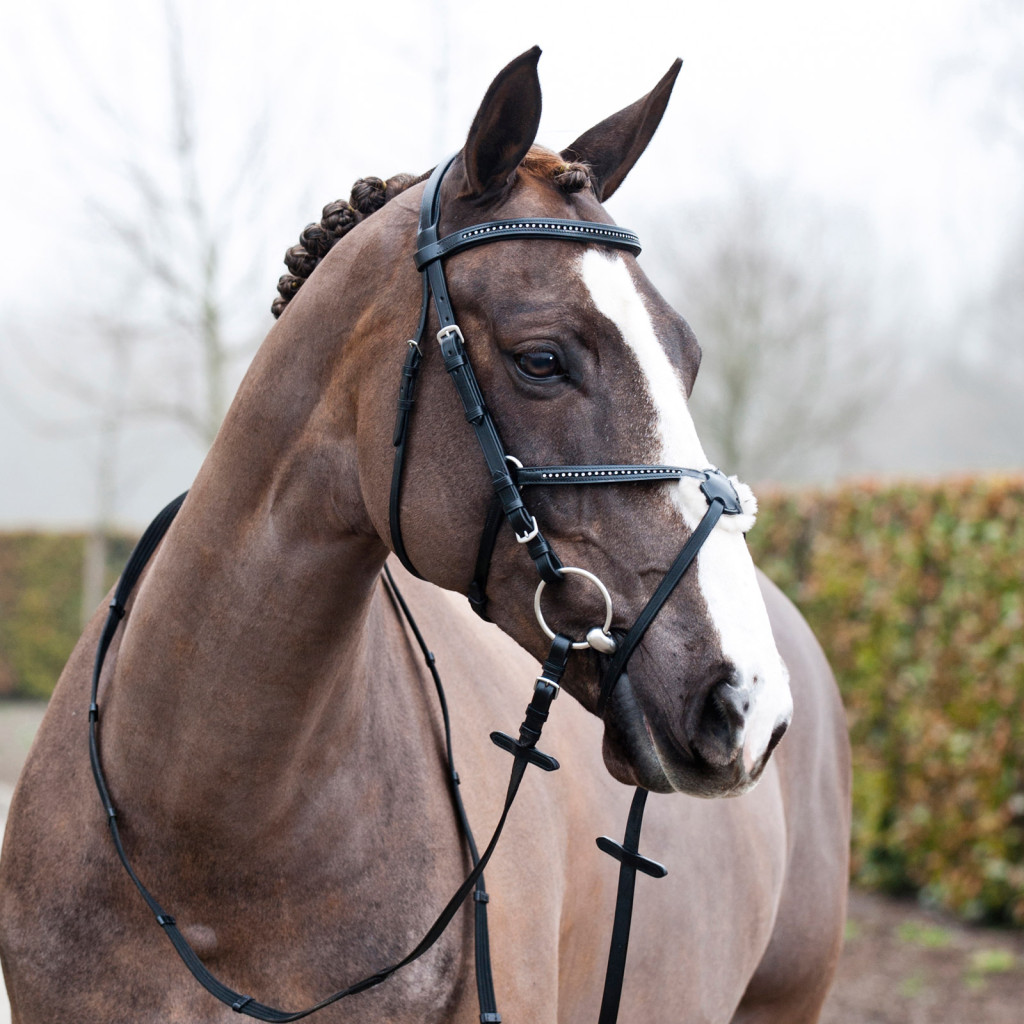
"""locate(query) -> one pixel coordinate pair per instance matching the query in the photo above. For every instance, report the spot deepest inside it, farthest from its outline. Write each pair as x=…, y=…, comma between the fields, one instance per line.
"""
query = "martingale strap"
x=627, y=853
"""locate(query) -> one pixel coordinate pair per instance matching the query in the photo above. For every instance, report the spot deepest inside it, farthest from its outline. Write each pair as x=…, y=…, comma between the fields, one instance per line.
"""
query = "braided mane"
x=368, y=195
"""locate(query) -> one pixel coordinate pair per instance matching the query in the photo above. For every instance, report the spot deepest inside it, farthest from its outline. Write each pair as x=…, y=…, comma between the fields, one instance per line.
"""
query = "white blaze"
x=725, y=570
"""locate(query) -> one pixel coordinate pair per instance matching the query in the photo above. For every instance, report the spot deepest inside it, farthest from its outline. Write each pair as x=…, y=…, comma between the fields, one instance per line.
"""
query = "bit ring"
x=578, y=645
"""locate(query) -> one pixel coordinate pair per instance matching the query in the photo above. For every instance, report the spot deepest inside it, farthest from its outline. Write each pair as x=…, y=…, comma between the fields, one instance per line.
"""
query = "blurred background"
x=834, y=201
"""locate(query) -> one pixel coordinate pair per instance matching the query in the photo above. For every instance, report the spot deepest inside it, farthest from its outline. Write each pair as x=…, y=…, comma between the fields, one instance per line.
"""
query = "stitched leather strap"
x=524, y=754
x=531, y=476
x=528, y=227
x=628, y=855
x=658, y=598
x=460, y=370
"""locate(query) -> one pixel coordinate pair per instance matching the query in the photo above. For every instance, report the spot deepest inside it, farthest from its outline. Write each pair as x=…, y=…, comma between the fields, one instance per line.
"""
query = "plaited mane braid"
x=574, y=177
x=317, y=240
x=368, y=196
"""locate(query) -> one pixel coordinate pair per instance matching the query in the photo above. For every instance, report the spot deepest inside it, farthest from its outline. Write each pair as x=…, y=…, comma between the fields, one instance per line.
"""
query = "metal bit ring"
x=579, y=645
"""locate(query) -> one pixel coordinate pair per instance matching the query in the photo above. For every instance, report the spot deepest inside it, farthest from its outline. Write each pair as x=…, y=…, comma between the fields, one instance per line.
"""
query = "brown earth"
x=906, y=965
x=902, y=964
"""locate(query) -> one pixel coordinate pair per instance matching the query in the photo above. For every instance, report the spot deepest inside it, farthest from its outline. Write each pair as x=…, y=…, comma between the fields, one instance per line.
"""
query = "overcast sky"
x=874, y=107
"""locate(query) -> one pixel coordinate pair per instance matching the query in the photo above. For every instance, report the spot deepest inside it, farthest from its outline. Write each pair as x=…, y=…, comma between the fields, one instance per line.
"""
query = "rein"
x=523, y=750
x=508, y=477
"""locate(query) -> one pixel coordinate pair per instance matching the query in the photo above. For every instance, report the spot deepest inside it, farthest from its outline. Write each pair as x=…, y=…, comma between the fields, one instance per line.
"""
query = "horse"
x=269, y=730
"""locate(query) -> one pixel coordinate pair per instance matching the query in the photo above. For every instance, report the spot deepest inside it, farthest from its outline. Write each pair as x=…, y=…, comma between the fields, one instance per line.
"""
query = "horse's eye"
x=539, y=365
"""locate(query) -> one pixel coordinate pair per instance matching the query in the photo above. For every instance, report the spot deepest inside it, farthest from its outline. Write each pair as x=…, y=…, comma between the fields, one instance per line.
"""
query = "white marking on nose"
x=725, y=570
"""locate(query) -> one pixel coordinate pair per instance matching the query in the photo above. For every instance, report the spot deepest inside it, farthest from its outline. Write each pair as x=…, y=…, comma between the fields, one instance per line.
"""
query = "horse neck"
x=247, y=651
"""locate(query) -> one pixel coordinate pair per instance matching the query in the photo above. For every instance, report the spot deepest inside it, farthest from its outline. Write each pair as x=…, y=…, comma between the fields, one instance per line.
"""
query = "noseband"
x=508, y=475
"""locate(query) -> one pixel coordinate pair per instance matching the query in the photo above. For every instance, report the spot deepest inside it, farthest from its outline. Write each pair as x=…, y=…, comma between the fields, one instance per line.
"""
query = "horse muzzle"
x=719, y=746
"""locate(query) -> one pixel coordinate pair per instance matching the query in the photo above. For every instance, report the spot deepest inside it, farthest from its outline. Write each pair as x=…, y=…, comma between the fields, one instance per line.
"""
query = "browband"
x=550, y=227
x=533, y=475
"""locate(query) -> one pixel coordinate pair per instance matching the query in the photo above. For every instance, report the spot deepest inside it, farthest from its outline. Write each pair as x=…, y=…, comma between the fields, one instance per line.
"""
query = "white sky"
x=847, y=102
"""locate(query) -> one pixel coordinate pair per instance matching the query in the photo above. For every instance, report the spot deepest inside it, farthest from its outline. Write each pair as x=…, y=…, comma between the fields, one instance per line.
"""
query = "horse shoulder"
x=813, y=765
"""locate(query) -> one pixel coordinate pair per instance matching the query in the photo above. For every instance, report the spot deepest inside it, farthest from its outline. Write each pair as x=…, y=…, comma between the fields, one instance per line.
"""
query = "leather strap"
x=668, y=583
x=477, y=592
x=481, y=935
x=460, y=370
x=528, y=227
x=523, y=524
x=524, y=753
x=531, y=476
x=627, y=854
x=406, y=398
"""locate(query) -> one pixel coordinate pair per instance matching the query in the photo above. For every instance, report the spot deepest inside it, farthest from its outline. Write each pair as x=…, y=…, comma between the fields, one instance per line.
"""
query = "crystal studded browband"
x=550, y=227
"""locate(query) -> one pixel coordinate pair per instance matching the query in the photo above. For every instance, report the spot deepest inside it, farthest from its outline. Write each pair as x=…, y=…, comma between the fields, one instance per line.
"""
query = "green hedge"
x=917, y=595
x=41, y=606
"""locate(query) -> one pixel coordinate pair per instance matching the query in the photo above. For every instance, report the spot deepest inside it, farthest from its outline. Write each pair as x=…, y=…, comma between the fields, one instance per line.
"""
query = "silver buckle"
x=525, y=538
x=413, y=343
x=544, y=679
x=452, y=329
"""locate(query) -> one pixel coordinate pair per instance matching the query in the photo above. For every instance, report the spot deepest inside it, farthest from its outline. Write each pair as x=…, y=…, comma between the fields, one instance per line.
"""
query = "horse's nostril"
x=722, y=721
x=777, y=733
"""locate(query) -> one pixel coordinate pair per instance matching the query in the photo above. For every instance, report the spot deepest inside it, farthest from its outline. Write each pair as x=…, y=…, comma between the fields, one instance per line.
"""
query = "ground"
x=905, y=965
x=901, y=965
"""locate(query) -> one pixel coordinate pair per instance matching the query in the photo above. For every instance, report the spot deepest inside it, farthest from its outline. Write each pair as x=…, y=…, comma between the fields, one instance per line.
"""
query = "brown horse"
x=269, y=731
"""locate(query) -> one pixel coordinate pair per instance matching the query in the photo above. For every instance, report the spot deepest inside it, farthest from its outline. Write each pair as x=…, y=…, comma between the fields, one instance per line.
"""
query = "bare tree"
x=792, y=356
x=175, y=232
x=1006, y=310
x=164, y=334
x=992, y=62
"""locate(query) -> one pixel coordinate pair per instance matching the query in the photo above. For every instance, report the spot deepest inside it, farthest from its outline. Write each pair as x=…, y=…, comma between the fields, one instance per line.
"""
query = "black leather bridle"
x=509, y=477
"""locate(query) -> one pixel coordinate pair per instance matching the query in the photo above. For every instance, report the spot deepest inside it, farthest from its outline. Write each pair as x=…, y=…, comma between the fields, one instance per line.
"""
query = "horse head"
x=579, y=361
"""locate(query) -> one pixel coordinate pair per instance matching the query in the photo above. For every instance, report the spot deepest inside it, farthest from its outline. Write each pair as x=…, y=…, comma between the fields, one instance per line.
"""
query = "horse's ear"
x=504, y=128
x=613, y=146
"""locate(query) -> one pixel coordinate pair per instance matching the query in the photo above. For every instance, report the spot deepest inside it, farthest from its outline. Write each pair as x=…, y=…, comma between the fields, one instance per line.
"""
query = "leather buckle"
x=525, y=538
x=449, y=331
x=548, y=681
